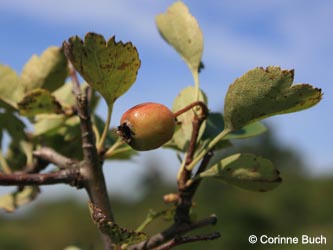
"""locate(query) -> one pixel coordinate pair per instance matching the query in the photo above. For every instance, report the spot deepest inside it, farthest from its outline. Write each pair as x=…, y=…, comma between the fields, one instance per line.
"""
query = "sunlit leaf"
x=39, y=101
x=66, y=98
x=27, y=149
x=183, y=132
x=119, y=235
x=48, y=123
x=11, y=91
x=59, y=132
x=48, y=71
x=246, y=171
x=261, y=93
x=10, y=202
x=181, y=30
x=64, y=95
x=72, y=248
x=110, y=67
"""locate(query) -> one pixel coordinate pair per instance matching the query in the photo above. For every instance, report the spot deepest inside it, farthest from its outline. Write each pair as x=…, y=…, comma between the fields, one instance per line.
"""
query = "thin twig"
x=196, y=124
x=202, y=167
x=75, y=79
x=204, y=109
x=51, y=156
x=171, y=232
x=100, y=145
x=69, y=176
x=185, y=195
x=188, y=239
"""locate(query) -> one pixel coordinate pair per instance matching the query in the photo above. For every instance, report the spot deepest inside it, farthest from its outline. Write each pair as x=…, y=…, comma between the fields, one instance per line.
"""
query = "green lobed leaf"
x=181, y=30
x=261, y=93
x=48, y=71
x=11, y=91
x=183, y=132
x=109, y=67
x=246, y=171
x=10, y=202
x=39, y=101
x=119, y=235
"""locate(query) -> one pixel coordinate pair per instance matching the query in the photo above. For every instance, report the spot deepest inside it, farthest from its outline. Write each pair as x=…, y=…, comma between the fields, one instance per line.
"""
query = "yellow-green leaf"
x=65, y=95
x=60, y=133
x=261, y=93
x=10, y=202
x=246, y=171
x=48, y=71
x=110, y=67
x=39, y=101
x=181, y=30
x=11, y=91
x=48, y=123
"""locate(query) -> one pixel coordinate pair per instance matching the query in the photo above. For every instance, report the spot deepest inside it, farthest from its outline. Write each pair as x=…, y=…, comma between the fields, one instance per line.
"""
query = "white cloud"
x=304, y=31
x=125, y=15
x=303, y=27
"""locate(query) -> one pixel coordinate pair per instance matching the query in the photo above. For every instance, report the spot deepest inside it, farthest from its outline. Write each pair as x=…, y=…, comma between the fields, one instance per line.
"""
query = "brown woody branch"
x=49, y=155
x=186, y=194
x=69, y=176
x=92, y=165
x=180, y=240
x=170, y=233
x=202, y=167
x=204, y=109
x=69, y=173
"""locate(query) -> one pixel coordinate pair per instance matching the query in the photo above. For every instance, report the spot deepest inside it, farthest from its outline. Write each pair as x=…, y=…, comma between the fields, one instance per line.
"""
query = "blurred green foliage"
x=300, y=205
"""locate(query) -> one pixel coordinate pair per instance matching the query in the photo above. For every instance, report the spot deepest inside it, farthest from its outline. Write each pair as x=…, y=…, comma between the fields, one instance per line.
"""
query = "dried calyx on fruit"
x=147, y=126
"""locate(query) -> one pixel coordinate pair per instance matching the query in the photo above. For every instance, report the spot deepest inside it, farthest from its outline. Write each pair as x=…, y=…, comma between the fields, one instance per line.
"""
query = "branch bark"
x=172, y=232
x=69, y=176
x=186, y=194
x=49, y=155
x=92, y=165
x=188, y=239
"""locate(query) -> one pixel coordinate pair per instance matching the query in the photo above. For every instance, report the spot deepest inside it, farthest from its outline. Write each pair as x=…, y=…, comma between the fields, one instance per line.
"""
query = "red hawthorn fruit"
x=147, y=126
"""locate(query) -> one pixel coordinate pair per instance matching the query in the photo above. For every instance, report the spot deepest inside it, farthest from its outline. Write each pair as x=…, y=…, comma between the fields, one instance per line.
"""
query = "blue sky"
x=238, y=36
